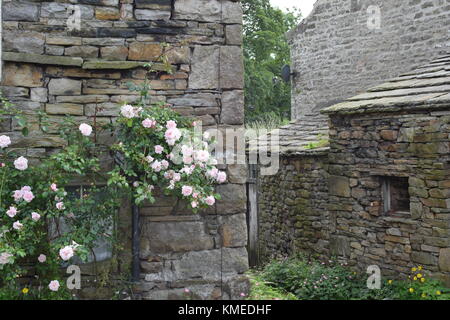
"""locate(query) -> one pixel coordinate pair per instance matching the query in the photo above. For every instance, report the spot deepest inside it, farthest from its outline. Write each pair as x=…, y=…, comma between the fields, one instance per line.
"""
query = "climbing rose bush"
x=160, y=148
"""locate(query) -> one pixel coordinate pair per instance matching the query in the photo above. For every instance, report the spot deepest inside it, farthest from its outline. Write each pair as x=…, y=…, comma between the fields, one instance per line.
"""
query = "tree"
x=266, y=51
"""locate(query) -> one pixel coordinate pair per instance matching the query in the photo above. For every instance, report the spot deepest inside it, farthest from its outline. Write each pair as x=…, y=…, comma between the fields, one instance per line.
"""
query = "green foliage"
x=266, y=121
x=263, y=290
x=266, y=51
x=314, y=280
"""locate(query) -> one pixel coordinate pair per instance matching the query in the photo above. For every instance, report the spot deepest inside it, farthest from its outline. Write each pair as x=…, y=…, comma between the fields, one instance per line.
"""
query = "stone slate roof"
x=427, y=87
x=300, y=137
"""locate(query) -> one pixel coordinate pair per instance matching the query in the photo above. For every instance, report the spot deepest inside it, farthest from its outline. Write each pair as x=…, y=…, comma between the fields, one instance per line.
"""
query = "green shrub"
x=314, y=280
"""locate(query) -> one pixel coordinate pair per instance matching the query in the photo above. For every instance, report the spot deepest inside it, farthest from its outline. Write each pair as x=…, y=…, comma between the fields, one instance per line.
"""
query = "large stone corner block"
x=205, y=68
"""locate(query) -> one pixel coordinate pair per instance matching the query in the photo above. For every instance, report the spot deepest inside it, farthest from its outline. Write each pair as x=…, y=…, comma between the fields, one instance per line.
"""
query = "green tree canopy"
x=266, y=51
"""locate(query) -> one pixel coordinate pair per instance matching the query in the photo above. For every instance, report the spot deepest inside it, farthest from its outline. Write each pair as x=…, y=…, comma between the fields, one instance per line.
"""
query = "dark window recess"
x=395, y=195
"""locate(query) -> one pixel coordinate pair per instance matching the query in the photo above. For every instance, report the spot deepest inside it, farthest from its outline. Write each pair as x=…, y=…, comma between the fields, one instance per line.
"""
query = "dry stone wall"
x=52, y=66
x=336, y=55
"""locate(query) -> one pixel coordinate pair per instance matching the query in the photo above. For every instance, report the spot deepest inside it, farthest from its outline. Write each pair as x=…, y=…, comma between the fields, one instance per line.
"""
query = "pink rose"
x=187, y=160
x=210, y=200
x=4, y=257
x=187, y=151
x=60, y=206
x=85, y=129
x=28, y=196
x=202, y=155
x=18, y=194
x=17, y=225
x=4, y=141
x=159, y=149
x=164, y=164
x=172, y=134
x=186, y=190
x=35, y=216
x=171, y=124
x=148, y=123
x=194, y=204
x=195, y=195
x=54, y=285
x=221, y=177
x=54, y=187
x=213, y=173
x=21, y=163
x=176, y=177
x=42, y=258
x=156, y=166
x=149, y=159
x=12, y=211
x=128, y=111
x=66, y=253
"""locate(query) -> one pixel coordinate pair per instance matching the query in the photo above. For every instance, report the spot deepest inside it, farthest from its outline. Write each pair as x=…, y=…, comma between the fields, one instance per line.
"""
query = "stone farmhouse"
x=365, y=163
x=66, y=57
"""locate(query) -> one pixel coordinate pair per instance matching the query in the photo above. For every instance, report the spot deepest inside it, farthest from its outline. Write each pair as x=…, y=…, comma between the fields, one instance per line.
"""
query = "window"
x=395, y=195
x=102, y=250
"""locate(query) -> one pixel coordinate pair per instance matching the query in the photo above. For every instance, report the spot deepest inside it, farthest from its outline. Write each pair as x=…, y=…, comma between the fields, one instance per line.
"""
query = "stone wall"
x=336, y=55
x=365, y=150
x=293, y=214
x=51, y=67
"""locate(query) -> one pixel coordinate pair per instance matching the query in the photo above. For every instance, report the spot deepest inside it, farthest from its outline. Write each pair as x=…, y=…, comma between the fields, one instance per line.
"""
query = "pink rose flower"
x=128, y=111
x=42, y=258
x=4, y=141
x=149, y=159
x=176, y=177
x=35, y=216
x=194, y=204
x=202, y=155
x=187, y=151
x=17, y=225
x=195, y=195
x=21, y=163
x=12, y=211
x=28, y=196
x=18, y=194
x=171, y=124
x=4, y=257
x=221, y=177
x=187, y=160
x=149, y=123
x=186, y=190
x=60, y=206
x=172, y=134
x=213, y=173
x=54, y=285
x=159, y=149
x=54, y=187
x=210, y=200
x=66, y=253
x=156, y=166
x=85, y=129
x=164, y=164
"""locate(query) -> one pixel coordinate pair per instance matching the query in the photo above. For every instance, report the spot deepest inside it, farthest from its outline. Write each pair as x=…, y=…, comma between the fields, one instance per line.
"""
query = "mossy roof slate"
x=427, y=87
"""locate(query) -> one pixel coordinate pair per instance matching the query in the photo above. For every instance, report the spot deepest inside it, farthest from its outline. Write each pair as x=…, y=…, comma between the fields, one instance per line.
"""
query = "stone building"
x=365, y=179
x=56, y=64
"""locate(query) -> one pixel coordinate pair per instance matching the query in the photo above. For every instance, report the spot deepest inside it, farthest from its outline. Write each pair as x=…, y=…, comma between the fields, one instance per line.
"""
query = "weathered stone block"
x=205, y=68
x=22, y=75
x=42, y=59
x=142, y=14
x=198, y=10
x=233, y=230
x=64, y=87
x=20, y=11
x=232, y=12
x=64, y=109
x=233, y=34
x=339, y=186
x=340, y=246
x=231, y=67
x=82, y=51
x=444, y=260
x=232, y=107
x=179, y=55
x=63, y=41
x=144, y=51
x=115, y=53
x=23, y=41
x=177, y=236
x=107, y=13
x=234, y=199
x=39, y=94
x=424, y=258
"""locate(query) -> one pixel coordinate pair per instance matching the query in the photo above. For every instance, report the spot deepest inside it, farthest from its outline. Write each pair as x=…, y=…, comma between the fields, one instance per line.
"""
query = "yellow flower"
x=420, y=268
x=411, y=290
x=415, y=278
x=25, y=290
x=438, y=293
x=424, y=295
x=414, y=269
x=390, y=281
x=419, y=275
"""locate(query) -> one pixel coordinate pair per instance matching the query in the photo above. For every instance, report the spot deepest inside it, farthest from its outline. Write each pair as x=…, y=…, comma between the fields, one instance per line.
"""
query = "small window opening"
x=395, y=195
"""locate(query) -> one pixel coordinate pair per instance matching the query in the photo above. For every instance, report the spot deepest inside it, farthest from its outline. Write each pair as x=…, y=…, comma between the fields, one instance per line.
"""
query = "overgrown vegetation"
x=307, y=279
x=266, y=51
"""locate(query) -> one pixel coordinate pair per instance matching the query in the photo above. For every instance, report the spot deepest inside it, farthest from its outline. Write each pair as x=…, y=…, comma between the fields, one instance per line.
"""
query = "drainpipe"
x=136, y=236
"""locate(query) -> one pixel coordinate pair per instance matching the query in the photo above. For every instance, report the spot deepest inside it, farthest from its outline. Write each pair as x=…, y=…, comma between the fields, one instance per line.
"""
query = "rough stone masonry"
x=64, y=71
